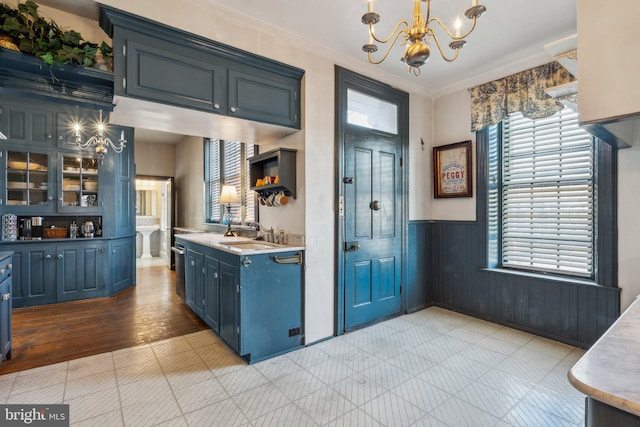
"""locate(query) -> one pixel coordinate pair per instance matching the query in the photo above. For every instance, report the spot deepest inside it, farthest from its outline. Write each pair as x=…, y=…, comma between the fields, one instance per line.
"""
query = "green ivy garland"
x=37, y=36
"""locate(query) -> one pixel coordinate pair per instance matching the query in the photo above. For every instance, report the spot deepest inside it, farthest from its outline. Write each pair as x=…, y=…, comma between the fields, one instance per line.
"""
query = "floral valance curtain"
x=525, y=92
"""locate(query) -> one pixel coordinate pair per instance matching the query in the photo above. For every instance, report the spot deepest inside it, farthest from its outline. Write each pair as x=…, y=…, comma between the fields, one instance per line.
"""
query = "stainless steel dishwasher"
x=179, y=251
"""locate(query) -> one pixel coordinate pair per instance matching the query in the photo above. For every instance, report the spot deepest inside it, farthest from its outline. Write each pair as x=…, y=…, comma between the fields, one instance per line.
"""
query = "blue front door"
x=373, y=223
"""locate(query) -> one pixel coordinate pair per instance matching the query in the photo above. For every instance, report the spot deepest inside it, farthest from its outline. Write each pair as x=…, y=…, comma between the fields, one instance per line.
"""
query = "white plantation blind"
x=547, y=194
x=213, y=181
x=227, y=164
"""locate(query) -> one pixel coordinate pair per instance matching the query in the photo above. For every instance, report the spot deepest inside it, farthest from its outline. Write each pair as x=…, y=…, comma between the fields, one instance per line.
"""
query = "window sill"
x=548, y=277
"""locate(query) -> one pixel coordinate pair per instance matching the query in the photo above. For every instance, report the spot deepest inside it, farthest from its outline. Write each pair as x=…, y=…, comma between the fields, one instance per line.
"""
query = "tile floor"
x=430, y=368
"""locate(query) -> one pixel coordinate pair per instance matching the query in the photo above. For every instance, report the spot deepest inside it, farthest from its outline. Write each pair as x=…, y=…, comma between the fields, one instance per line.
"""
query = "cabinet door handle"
x=47, y=256
x=1, y=271
x=6, y=297
x=60, y=256
x=9, y=266
x=193, y=263
x=294, y=259
x=233, y=109
x=215, y=275
x=113, y=251
x=216, y=106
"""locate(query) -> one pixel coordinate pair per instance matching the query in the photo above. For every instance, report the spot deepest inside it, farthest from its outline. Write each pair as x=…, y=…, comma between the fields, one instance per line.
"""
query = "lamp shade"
x=228, y=195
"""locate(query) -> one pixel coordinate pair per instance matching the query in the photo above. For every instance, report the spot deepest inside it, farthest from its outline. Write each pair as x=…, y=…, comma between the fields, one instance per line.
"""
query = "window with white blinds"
x=226, y=164
x=547, y=198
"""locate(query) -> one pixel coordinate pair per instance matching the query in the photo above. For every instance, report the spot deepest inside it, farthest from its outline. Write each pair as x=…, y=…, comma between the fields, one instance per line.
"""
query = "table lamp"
x=228, y=195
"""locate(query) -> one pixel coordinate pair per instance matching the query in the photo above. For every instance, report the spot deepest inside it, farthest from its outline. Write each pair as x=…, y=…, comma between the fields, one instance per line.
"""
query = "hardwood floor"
x=150, y=311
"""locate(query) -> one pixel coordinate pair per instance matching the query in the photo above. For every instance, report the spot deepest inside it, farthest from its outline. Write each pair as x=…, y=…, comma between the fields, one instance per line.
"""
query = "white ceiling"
x=509, y=37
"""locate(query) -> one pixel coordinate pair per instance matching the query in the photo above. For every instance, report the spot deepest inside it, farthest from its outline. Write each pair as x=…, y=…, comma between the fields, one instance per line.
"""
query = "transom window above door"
x=371, y=112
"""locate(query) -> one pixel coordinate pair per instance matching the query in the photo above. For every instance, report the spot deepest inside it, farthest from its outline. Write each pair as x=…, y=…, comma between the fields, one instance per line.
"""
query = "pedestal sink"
x=146, y=231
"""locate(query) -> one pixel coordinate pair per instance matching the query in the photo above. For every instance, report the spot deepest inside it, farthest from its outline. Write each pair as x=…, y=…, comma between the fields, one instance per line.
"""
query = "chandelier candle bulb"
x=370, y=5
x=458, y=24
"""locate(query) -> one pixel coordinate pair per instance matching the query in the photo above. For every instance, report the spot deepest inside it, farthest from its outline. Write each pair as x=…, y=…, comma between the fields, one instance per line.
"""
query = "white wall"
x=189, y=181
x=154, y=159
x=629, y=223
x=420, y=170
x=451, y=124
x=608, y=62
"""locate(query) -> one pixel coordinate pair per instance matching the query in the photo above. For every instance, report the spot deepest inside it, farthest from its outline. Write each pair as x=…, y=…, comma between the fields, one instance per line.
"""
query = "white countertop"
x=610, y=370
x=224, y=243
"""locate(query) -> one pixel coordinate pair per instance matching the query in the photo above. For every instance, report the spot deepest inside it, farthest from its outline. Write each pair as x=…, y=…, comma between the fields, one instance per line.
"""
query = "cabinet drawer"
x=5, y=268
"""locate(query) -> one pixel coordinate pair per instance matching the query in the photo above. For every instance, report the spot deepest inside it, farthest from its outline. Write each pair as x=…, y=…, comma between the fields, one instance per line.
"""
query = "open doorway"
x=154, y=221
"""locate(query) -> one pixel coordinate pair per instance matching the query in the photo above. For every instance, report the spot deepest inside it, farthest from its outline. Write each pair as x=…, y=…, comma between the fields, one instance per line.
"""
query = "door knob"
x=351, y=246
x=375, y=205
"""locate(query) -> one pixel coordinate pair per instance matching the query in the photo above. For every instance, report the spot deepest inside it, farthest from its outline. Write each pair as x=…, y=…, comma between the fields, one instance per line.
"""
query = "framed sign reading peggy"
x=452, y=170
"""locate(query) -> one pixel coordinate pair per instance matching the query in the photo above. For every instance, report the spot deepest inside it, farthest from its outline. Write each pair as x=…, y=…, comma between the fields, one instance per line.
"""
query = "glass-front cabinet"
x=28, y=180
x=41, y=182
x=79, y=184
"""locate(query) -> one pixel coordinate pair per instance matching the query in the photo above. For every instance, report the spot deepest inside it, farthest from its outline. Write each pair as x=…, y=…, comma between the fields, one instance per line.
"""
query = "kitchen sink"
x=249, y=245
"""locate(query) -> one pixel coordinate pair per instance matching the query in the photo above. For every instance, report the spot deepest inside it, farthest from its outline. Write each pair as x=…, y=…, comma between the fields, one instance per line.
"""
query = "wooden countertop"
x=610, y=370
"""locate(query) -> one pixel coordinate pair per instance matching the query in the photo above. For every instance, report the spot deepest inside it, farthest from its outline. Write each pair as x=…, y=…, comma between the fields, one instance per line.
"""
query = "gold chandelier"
x=417, y=36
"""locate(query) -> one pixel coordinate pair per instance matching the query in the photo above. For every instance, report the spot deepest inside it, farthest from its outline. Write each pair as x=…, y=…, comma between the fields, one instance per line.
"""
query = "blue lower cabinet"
x=49, y=272
x=6, y=272
x=33, y=274
x=194, y=281
x=253, y=302
x=80, y=271
x=229, y=303
x=123, y=262
x=270, y=305
x=212, y=293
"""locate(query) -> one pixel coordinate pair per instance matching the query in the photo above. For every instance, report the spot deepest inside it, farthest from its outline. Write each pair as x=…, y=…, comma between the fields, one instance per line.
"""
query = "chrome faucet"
x=269, y=232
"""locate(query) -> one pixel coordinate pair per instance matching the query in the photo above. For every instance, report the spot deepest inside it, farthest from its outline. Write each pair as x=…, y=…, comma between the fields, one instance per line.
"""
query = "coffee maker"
x=25, y=229
x=36, y=227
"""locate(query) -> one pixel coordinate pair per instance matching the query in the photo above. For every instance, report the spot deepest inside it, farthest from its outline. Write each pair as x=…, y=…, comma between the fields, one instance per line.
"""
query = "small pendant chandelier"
x=417, y=36
x=100, y=141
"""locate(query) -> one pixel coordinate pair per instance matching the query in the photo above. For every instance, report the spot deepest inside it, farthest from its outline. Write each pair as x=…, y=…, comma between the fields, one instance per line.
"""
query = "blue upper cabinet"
x=258, y=95
x=166, y=72
x=24, y=123
x=157, y=63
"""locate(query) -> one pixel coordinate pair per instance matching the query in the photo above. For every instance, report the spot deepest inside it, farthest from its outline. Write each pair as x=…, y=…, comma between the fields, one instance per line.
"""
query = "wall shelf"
x=281, y=163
